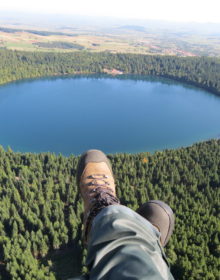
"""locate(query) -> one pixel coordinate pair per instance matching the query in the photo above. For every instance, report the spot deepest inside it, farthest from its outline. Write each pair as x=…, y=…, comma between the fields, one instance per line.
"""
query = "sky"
x=172, y=10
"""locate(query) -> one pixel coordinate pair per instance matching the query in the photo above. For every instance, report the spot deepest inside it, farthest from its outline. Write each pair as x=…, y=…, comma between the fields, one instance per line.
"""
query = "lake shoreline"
x=149, y=153
x=116, y=76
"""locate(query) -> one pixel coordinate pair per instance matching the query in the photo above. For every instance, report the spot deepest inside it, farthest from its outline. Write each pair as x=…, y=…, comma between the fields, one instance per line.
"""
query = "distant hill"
x=37, y=32
x=73, y=21
x=133, y=27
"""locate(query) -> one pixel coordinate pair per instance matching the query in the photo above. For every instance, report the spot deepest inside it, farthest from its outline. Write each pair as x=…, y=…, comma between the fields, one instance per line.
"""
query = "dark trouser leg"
x=124, y=245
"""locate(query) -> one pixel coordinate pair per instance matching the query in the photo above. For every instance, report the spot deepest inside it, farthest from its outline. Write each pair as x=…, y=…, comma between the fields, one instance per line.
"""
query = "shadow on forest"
x=65, y=263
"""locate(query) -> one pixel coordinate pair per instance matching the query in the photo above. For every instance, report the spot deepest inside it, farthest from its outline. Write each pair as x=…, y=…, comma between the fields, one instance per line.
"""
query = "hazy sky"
x=174, y=10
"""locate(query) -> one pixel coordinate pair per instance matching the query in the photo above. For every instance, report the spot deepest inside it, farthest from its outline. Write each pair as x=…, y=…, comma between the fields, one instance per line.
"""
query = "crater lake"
x=127, y=114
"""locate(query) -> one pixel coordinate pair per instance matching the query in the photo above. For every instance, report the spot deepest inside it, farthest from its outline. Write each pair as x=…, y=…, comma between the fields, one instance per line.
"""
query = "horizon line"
x=105, y=16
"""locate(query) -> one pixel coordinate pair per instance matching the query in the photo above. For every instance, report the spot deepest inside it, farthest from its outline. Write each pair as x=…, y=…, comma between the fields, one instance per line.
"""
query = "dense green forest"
x=200, y=71
x=40, y=209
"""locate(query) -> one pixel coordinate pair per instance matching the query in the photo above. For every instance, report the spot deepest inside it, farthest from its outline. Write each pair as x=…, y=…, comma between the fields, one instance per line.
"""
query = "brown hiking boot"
x=96, y=184
x=159, y=214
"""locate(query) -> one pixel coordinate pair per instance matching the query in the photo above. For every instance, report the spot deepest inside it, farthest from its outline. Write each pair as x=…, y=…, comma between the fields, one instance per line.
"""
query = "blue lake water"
x=70, y=115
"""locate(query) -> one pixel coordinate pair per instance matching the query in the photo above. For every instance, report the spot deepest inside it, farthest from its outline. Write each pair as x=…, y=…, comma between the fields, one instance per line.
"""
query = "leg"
x=121, y=243
x=124, y=245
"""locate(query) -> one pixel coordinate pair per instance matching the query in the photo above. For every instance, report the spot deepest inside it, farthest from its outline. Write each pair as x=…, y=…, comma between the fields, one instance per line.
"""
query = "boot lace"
x=101, y=197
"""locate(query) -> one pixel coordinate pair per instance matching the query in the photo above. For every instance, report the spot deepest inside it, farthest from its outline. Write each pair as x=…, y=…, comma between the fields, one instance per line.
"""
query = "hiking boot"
x=96, y=184
x=161, y=216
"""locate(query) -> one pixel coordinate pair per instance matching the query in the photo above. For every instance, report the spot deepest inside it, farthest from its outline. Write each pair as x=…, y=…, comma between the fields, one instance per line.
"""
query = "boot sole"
x=157, y=212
